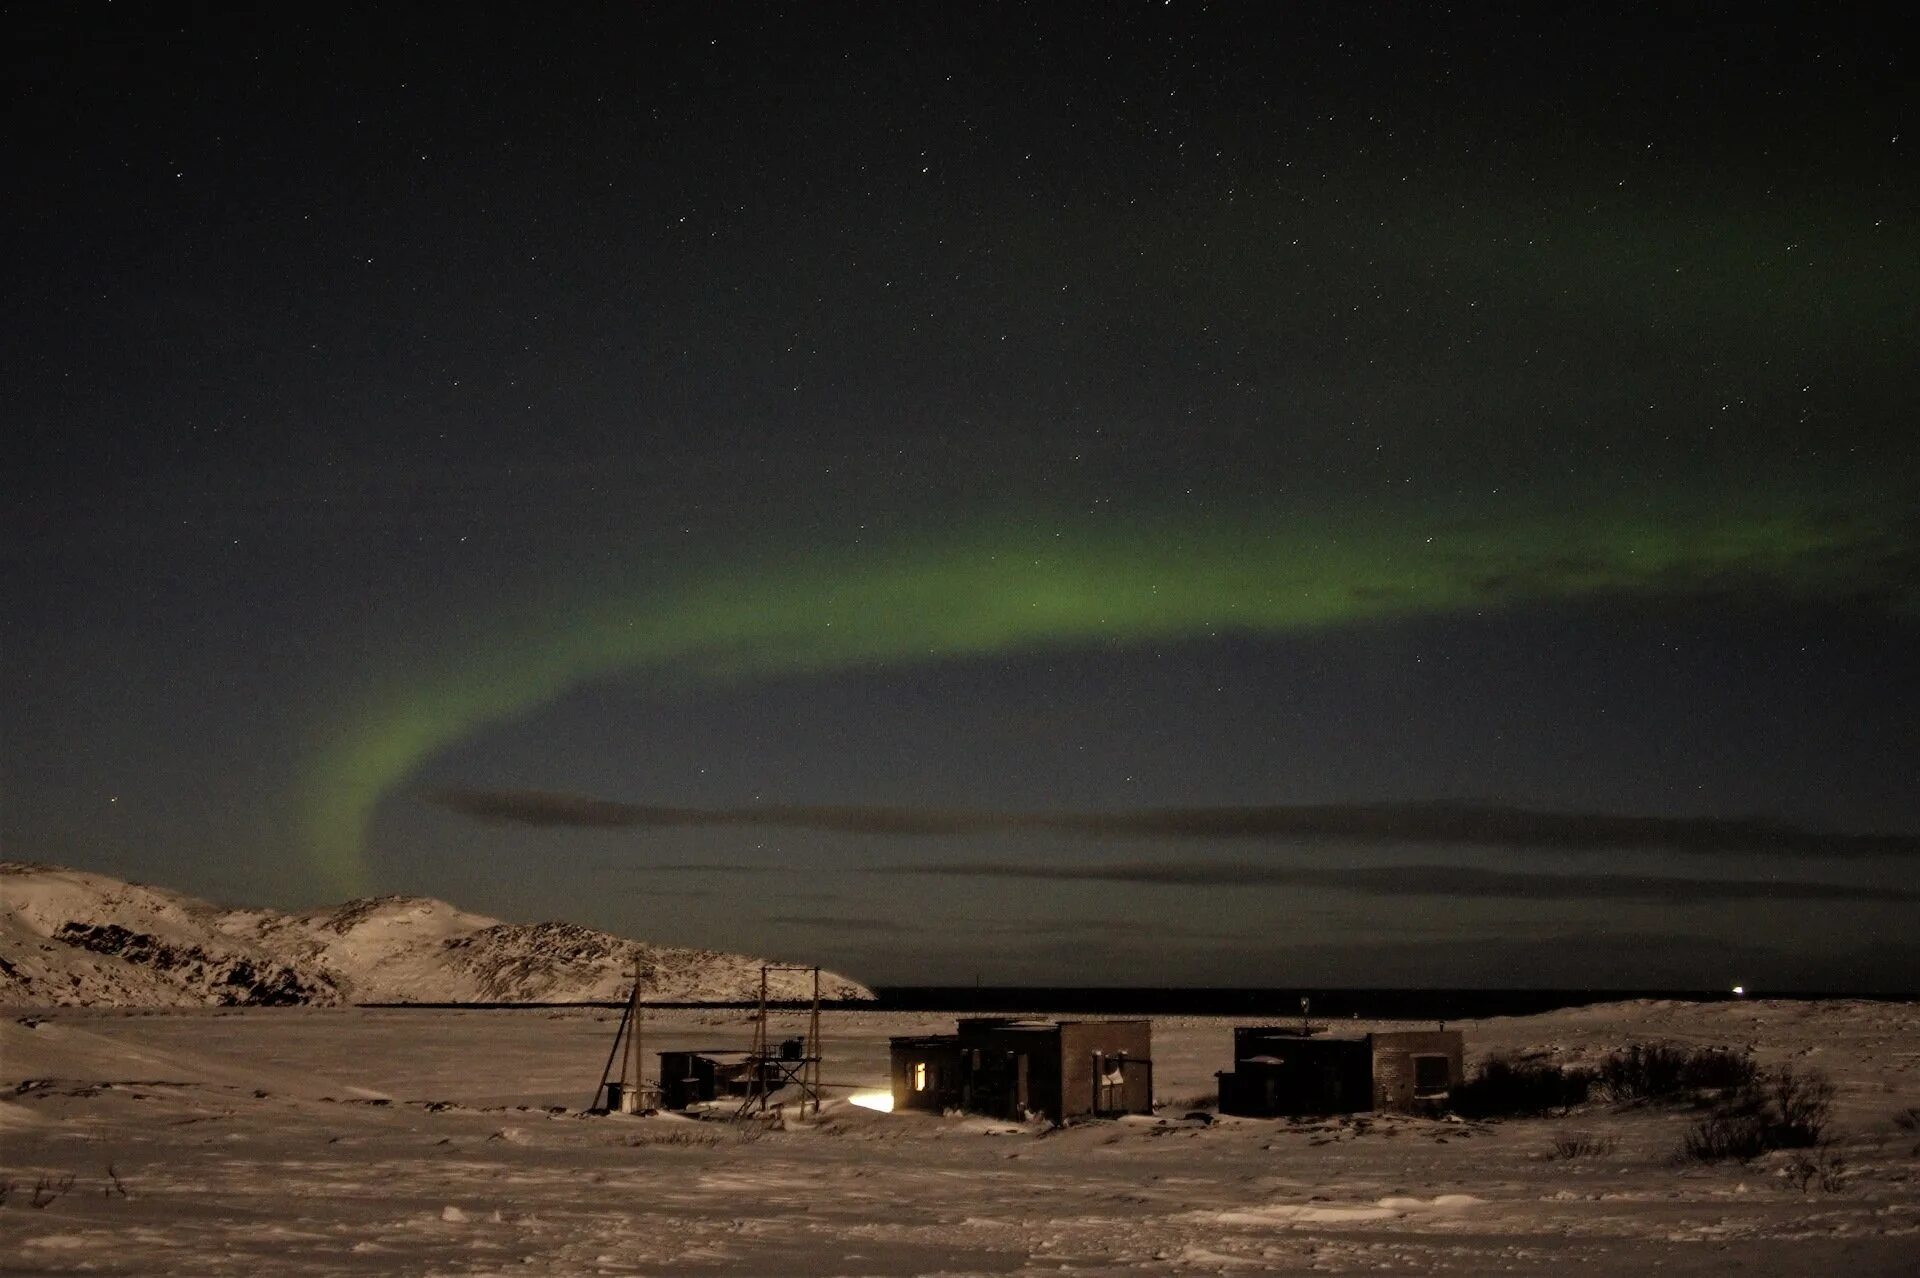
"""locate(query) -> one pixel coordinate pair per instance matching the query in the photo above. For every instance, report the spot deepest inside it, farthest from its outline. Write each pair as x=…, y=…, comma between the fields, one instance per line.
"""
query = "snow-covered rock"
x=69, y=937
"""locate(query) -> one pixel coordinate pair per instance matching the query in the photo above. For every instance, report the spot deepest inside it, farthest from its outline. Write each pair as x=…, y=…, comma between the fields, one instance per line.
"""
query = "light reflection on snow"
x=882, y=1101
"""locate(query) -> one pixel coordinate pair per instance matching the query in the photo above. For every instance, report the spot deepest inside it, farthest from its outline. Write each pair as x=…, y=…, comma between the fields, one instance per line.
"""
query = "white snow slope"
x=72, y=938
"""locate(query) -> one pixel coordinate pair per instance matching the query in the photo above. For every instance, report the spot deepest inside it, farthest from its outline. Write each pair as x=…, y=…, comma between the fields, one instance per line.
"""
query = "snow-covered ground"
x=366, y=1141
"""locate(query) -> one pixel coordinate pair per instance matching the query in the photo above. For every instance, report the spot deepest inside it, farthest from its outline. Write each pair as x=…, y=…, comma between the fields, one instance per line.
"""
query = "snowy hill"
x=68, y=937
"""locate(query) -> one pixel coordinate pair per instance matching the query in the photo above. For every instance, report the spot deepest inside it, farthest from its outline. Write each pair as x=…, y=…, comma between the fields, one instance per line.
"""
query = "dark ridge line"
x=1283, y=1004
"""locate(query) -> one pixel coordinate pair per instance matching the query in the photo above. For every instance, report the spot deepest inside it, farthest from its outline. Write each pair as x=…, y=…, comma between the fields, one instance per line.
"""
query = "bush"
x=1583, y=1145
x=1823, y=1165
x=1783, y=1111
x=1802, y=1103
x=50, y=1189
x=675, y=1140
x=1508, y=1087
x=1730, y=1131
x=1664, y=1071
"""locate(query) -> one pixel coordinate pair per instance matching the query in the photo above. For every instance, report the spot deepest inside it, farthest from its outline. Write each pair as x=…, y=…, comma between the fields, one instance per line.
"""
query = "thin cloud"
x=1421, y=880
x=1393, y=823
x=1069, y=929
x=696, y=867
x=834, y=923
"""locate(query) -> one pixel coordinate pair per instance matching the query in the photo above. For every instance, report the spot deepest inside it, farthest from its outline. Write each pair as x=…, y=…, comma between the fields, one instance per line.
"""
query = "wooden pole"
x=635, y=1043
x=814, y=1052
x=613, y=1054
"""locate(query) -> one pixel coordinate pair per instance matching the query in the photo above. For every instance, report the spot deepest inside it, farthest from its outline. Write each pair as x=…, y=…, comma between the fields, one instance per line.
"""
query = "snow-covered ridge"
x=74, y=938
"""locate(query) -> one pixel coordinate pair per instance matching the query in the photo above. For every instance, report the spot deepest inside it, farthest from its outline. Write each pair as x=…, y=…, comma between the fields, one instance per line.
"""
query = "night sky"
x=1123, y=494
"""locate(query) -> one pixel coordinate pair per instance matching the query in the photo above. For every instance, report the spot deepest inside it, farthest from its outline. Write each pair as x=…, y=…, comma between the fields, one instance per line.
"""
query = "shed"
x=705, y=1074
x=1007, y=1068
x=1290, y=1070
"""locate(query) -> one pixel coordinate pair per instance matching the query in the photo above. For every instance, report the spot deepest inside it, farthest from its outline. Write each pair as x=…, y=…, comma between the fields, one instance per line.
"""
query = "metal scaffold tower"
x=794, y=1062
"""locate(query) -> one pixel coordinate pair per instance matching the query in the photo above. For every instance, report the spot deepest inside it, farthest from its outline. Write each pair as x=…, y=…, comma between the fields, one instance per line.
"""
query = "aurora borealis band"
x=1160, y=581
x=986, y=409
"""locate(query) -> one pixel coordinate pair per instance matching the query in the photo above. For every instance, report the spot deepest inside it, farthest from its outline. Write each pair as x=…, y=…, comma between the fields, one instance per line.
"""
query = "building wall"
x=690, y=1077
x=1393, y=1064
x=1278, y=1074
x=944, y=1076
x=994, y=1085
x=685, y=1077
x=982, y=1068
x=1080, y=1041
x=1043, y=1075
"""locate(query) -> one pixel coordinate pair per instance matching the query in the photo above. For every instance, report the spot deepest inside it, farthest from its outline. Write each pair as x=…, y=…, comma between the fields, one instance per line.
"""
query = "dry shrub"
x=1667, y=1072
x=1783, y=1110
x=674, y=1140
x=1508, y=1087
x=1583, y=1145
x=1823, y=1164
x=1803, y=1103
x=50, y=1189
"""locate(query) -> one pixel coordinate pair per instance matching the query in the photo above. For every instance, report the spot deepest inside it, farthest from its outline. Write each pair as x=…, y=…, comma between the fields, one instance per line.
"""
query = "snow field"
x=369, y=1141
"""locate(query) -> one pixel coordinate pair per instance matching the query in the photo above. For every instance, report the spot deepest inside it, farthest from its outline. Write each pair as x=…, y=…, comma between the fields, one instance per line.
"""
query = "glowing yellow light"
x=882, y=1101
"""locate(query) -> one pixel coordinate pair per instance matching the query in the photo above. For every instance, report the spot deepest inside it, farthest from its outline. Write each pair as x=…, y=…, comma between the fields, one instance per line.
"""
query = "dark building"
x=1288, y=1070
x=722, y=1073
x=1010, y=1068
x=687, y=1078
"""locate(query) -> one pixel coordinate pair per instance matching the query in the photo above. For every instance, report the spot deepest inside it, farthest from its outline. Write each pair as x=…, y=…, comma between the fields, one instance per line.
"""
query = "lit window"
x=919, y=1076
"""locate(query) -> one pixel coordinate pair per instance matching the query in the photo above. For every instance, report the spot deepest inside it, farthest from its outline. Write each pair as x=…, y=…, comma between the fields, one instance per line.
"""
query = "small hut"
x=706, y=1074
x=1293, y=1070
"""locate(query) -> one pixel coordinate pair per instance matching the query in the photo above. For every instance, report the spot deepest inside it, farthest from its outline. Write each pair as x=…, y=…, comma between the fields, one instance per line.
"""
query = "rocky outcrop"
x=227, y=979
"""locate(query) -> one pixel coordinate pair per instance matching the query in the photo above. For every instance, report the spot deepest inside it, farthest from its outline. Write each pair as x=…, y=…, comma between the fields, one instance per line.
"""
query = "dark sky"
x=825, y=480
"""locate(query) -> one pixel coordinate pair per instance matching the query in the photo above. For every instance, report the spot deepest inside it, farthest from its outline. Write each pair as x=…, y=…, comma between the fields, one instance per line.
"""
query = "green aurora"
x=1019, y=584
